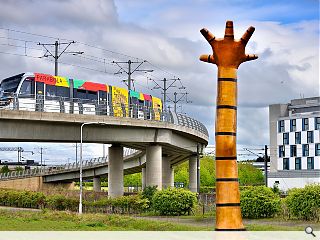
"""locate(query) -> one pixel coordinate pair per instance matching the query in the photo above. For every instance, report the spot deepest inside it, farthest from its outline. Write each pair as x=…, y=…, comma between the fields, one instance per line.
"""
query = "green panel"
x=78, y=83
x=134, y=94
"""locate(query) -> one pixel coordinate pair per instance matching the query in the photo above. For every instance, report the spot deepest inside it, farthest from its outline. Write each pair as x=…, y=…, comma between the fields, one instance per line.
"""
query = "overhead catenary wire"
x=104, y=61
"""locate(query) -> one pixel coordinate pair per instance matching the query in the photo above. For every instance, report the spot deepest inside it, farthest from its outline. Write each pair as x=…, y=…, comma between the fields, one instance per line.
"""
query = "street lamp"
x=81, y=135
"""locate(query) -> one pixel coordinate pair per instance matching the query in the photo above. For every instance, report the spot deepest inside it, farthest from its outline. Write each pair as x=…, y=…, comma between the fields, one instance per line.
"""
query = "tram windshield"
x=10, y=85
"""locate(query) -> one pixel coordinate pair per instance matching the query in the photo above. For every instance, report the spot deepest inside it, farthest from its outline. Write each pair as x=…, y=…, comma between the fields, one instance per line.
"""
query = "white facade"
x=315, y=141
x=295, y=143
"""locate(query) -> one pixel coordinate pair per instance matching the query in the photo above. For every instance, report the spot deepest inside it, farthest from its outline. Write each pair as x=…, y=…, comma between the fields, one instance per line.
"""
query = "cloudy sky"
x=166, y=34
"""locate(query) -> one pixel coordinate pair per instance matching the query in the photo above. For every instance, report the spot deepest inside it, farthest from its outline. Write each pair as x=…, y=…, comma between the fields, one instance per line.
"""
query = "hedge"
x=174, y=201
x=259, y=202
x=304, y=203
x=29, y=199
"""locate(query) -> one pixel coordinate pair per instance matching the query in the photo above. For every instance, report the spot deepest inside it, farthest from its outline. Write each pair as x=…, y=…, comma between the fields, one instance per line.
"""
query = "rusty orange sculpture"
x=228, y=54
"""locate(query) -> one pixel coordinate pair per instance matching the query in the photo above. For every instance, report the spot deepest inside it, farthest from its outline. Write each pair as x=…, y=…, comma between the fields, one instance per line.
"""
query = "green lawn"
x=26, y=220
x=65, y=221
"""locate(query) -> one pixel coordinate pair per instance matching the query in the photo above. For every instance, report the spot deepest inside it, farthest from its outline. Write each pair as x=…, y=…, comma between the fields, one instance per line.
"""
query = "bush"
x=26, y=199
x=174, y=201
x=304, y=203
x=259, y=202
x=148, y=193
x=60, y=202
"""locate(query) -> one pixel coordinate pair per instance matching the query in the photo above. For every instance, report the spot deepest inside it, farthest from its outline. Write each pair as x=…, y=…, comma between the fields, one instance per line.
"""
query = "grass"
x=66, y=221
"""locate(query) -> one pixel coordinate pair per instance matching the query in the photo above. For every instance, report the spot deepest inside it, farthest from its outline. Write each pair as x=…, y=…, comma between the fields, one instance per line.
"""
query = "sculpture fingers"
x=250, y=57
x=207, y=35
x=247, y=35
x=207, y=58
x=229, y=30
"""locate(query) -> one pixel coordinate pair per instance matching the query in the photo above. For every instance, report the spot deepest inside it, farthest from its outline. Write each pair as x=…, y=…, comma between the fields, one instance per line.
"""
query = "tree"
x=249, y=175
x=181, y=174
x=133, y=180
x=19, y=169
x=5, y=169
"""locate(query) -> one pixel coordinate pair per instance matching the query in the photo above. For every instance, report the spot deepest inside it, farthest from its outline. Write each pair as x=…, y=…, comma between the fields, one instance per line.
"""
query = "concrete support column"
x=193, y=173
x=172, y=177
x=143, y=178
x=115, y=171
x=97, y=184
x=166, y=173
x=154, y=166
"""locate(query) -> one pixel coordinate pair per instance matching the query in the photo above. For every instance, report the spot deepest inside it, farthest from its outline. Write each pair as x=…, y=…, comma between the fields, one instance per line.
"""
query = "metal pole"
x=56, y=58
x=198, y=169
x=164, y=94
x=80, y=177
x=76, y=153
x=80, y=200
x=175, y=102
x=266, y=165
x=41, y=157
x=129, y=76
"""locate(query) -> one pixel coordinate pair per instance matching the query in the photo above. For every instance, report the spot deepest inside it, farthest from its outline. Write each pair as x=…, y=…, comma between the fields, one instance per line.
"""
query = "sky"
x=166, y=34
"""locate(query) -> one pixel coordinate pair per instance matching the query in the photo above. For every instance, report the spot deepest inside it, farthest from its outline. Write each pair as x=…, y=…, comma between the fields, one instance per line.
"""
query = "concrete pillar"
x=193, y=173
x=97, y=184
x=154, y=166
x=143, y=178
x=172, y=177
x=115, y=171
x=166, y=173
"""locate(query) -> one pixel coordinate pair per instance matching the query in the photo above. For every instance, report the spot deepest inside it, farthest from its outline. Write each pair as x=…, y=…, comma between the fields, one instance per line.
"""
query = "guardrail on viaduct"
x=47, y=170
x=79, y=106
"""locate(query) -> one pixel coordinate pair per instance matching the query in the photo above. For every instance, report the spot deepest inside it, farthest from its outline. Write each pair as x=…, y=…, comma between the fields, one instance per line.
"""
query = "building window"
x=305, y=124
x=285, y=138
x=317, y=148
x=305, y=150
x=293, y=150
x=293, y=125
x=298, y=163
x=286, y=164
x=281, y=151
x=310, y=137
x=317, y=123
x=298, y=137
x=281, y=126
x=310, y=163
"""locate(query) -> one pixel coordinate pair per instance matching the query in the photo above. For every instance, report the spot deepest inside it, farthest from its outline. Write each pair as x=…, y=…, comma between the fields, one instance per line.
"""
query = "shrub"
x=259, y=202
x=173, y=201
x=60, y=202
x=26, y=199
x=304, y=203
x=148, y=193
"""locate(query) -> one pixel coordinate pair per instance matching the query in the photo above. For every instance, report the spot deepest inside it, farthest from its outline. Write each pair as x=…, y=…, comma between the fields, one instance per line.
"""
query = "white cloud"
x=168, y=36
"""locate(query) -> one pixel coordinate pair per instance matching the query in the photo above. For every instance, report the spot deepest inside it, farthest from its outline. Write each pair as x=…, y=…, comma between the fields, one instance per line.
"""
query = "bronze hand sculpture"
x=228, y=54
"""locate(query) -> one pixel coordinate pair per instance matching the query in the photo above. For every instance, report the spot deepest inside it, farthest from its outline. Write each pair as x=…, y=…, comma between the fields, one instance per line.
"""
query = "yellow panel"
x=157, y=107
x=61, y=81
x=120, y=102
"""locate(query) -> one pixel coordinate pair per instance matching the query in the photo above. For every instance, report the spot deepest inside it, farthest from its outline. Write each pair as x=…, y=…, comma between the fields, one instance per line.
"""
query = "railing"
x=93, y=107
x=46, y=170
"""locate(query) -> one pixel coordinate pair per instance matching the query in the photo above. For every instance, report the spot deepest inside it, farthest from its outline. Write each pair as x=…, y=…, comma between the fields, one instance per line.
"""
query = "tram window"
x=27, y=89
x=63, y=92
x=81, y=94
x=134, y=100
x=102, y=96
x=92, y=96
x=51, y=92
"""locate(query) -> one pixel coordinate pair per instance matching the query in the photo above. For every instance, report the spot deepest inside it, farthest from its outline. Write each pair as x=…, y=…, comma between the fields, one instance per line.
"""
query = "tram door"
x=39, y=96
x=102, y=103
